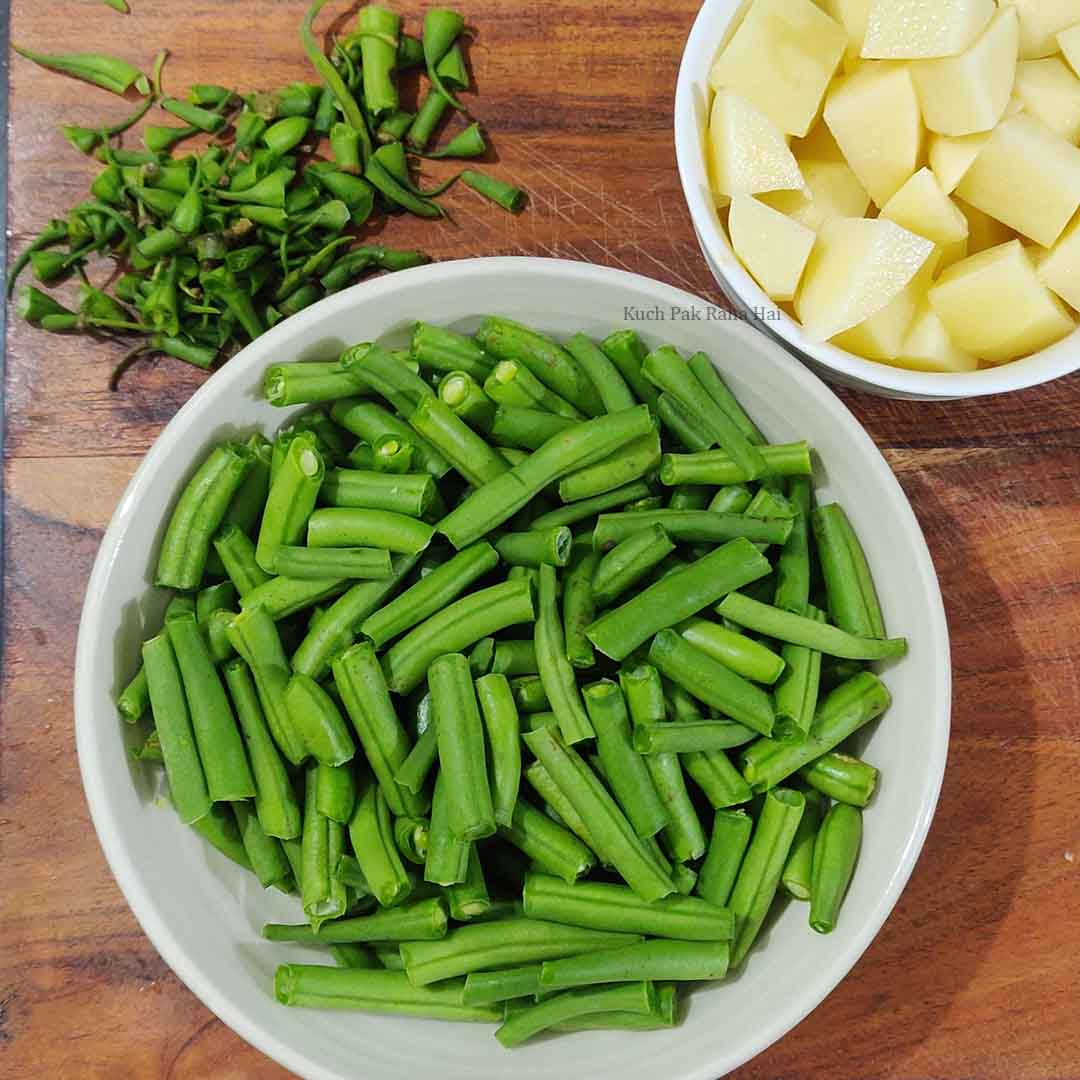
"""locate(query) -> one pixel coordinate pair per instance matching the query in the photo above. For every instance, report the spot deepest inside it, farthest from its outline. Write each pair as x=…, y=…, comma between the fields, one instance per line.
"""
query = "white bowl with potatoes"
x=892, y=187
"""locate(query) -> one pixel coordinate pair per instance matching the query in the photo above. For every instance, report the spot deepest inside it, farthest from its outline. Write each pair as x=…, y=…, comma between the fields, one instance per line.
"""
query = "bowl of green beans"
x=517, y=648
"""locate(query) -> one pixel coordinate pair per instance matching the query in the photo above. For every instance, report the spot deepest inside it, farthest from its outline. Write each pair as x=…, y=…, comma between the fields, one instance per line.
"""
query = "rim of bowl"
x=710, y=29
x=109, y=828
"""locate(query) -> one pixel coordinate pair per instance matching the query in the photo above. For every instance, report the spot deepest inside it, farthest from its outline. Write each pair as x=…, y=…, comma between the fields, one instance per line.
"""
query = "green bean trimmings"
x=505, y=658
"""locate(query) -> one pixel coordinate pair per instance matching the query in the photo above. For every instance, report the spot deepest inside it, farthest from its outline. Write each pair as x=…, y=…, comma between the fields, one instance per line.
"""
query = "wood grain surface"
x=976, y=972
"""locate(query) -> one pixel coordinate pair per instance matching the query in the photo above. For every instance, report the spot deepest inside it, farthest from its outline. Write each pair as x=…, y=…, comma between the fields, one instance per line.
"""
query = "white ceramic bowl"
x=692, y=100
x=203, y=913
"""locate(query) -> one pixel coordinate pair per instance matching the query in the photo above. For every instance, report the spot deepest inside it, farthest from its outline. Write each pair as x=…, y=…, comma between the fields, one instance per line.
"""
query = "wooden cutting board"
x=974, y=975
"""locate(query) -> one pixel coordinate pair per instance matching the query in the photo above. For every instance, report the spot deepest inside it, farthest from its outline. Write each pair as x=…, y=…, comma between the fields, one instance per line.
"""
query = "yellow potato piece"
x=928, y=347
x=964, y=94
x=818, y=145
x=857, y=267
x=781, y=58
x=922, y=207
x=1051, y=93
x=923, y=29
x=1059, y=268
x=852, y=15
x=832, y=190
x=1069, y=44
x=983, y=230
x=874, y=117
x=951, y=156
x=747, y=152
x=994, y=306
x=1026, y=176
x=771, y=246
x=1040, y=21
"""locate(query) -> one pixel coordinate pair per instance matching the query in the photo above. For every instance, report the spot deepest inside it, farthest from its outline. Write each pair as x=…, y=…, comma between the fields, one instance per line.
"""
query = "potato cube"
x=771, y=246
x=1026, y=176
x=747, y=151
x=928, y=347
x=1051, y=93
x=923, y=29
x=994, y=306
x=922, y=207
x=1059, y=269
x=963, y=94
x=781, y=58
x=1069, y=44
x=983, y=230
x=857, y=267
x=1040, y=21
x=951, y=156
x=874, y=117
x=832, y=190
x=818, y=145
x=852, y=16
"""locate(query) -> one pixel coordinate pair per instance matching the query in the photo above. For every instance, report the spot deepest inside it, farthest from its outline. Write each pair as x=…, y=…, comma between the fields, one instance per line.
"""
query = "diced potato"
x=923, y=29
x=833, y=190
x=928, y=347
x=1059, y=269
x=983, y=230
x=857, y=267
x=1040, y=21
x=922, y=207
x=964, y=94
x=781, y=58
x=852, y=16
x=951, y=156
x=994, y=306
x=771, y=246
x=874, y=117
x=1069, y=44
x=747, y=152
x=1026, y=176
x=1051, y=93
x=818, y=145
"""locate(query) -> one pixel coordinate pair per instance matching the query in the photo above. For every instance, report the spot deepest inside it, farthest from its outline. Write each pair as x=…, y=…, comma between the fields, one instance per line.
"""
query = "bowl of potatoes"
x=892, y=187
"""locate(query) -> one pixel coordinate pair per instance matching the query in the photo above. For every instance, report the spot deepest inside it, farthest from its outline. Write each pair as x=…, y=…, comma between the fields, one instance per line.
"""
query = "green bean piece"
x=547, y=843
x=447, y=860
x=411, y=836
x=635, y=998
x=630, y=462
x=717, y=467
x=469, y=899
x=318, y=721
x=351, y=526
x=221, y=747
x=462, y=756
x=218, y=828
x=842, y=778
x=719, y=780
x=291, y=499
x=727, y=847
x=372, y=834
x=306, y=382
x=237, y=554
x=579, y=511
x=759, y=875
x=370, y=422
x=515, y=657
x=264, y=852
x=393, y=126
x=628, y=563
x=134, y=700
x=503, y=729
x=556, y=672
x=197, y=515
x=376, y=991
x=469, y=454
x=423, y=920
x=853, y=601
x=535, y=547
x=526, y=428
x=379, y=370
x=439, y=349
x=466, y=397
x=688, y=526
x=738, y=653
x=804, y=630
x=579, y=609
x=604, y=374
x=511, y=383
x=282, y=596
x=108, y=72
x=711, y=682
x=349, y=955
x=717, y=389
x=685, y=425
x=360, y=682
x=414, y=770
x=793, y=564
x=676, y=960
x=172, y=720
x=431, y=594
x=625, y=349
x=334, y=563
x=798, y=870
x=795, y=696
x=413, y=494
x=489, y=987
x=441, y=28
x=275, y=801
x=433, y=107
x=529, y=694
x=663, y=1015
x=685, y=738
x=456, y=627
x=323, y=896
x=392, y=456
x=335, y=792
x=836, y=850
x=508, y=196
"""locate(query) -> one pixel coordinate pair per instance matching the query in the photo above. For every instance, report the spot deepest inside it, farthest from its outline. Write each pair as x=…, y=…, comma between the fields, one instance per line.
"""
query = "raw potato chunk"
x=922, y=207
x=1059, y=269
x=781, y=58
x=1040, y=20
x=819, y=145
x=928, y=347
x=852, y=15
x=874, y=117
x=963, y=94
x=771, y=246
x=1051, y=93
x=833, y=190
x=983, y=230
x=747, y=152
x=994, y=306
x=1069, y=44
x=923, y=29
x=857, y=267
x=951, y=156
x=1026, y=176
